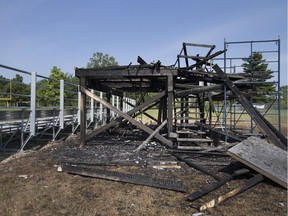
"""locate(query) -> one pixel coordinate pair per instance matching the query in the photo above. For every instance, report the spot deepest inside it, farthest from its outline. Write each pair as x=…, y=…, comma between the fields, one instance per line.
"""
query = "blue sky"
x=39, y=34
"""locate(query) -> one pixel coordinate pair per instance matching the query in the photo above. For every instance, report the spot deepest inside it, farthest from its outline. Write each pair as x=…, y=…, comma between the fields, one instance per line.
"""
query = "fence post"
x=92, y=108
x=101, y=110
x=113, y=104
x=117, y=103
x=61, y=113
x=33, y=104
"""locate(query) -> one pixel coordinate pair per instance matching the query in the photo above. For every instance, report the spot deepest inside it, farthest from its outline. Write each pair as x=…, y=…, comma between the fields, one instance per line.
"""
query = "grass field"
x=271, y=116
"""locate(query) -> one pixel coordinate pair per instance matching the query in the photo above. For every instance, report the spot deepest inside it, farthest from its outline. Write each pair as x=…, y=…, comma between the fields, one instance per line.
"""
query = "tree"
x=49, y=90
x=101, y=60
x=256, y=70
x=20, y=91
x=5, y=91
x=284, y=95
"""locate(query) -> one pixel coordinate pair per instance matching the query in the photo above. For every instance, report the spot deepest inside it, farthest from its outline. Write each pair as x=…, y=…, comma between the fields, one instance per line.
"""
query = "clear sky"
x=39, y=34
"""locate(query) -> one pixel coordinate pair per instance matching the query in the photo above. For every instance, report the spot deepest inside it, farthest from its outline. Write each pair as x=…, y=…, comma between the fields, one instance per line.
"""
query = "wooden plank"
x=124, y=71
x=127, y=117
x=263, y=157
x=248, y=184
x=194, y=140
x=196, y=166
x=197, y=194
x=124, y=177
x=198, y=90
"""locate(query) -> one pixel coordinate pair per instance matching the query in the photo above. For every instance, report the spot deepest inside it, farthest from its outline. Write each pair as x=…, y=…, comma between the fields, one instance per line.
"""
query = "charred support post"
x=82, y=114
x=165, y=108
x=108, y=112
x=170, y=89
x=160, y=110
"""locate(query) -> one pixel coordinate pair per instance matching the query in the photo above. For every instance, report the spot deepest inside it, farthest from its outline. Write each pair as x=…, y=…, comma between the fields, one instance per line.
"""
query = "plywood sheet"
x=263, y=157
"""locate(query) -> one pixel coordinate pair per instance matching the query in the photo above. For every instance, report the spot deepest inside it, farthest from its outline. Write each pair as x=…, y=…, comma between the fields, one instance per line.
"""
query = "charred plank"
x=124, y=177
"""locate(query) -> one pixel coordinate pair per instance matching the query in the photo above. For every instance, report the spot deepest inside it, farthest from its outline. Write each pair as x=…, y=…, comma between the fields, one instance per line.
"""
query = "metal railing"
x=33, y=118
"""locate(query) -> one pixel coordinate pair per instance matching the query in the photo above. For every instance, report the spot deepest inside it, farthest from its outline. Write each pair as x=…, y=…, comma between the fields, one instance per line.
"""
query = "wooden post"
x=160, y=111
x=108, y=112
x=164, y=108
x=170, y=90
x=82, y=113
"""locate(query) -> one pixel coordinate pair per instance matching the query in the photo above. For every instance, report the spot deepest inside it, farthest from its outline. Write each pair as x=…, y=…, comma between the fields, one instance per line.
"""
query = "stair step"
x=189, y=147
x=189, y=118
x=187, y=125
x=194, y=140
x=185, y=102
x=194, y=113
x=190, y=132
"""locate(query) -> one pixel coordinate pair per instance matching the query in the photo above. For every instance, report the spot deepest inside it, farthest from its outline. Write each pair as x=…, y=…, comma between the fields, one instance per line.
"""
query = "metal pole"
x=251, y=69
x=61, y=113
x=113, y=104
x=82, y=114
x=279, y=88
x=79, y=98
x=225, y=93
x=33, y=104
x=92, y=108
x=101, y=109
x=117, y=103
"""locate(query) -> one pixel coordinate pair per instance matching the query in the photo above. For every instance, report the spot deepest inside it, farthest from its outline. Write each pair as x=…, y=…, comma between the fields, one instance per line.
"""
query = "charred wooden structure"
x=184, y=93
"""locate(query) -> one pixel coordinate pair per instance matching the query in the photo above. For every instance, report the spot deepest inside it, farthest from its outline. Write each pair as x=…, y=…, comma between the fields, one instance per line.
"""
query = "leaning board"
x=263, y=157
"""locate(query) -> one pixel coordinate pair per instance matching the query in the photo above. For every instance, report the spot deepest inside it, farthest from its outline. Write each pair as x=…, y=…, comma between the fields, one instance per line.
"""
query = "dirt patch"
x=31, y=185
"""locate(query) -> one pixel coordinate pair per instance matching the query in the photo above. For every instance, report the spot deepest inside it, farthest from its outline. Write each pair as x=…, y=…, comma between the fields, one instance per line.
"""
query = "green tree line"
x=14, y=92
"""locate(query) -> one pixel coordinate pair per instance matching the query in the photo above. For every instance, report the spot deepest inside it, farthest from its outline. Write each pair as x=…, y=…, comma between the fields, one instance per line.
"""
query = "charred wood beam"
x=104, y=88
x=185, y=53
x=204, y=153
x=131, y=112
x=219, y=199
x=141, y=61
x=197, y=194
x=170, y=92
x=199, y=45
x=192, y=57
x=185, y=86
x=265, y=126
x=141, y=126
x=143, y=144
x=124, y=71
x=196, y=166
x=198, y=90
x=124, y=177
x=204, y=61
x=219, y=131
